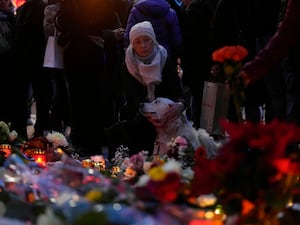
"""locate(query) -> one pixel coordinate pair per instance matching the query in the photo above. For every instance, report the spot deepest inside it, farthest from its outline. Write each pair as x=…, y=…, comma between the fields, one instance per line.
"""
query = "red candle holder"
x=6, y=149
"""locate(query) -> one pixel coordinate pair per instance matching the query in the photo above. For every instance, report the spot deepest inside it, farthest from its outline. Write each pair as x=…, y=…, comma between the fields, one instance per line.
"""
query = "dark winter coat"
x=30, y=41
x=196, y=34
x=233, y=24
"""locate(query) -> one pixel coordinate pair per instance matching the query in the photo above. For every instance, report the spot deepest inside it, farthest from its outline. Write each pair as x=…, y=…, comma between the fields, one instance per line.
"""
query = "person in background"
x=195, y=28
x=114, y=52
x=266, y=25
x=284, y=43
x=150, y=73
x=7, y=23
x=60, y=115
x=7, y=26
x=29, y=49
x=234, y=24
x=82, y=24
x=123, y=7
x=60, y=109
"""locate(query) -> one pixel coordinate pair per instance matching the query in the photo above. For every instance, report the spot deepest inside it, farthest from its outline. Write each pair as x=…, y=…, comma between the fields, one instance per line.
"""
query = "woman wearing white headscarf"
x=150, y=73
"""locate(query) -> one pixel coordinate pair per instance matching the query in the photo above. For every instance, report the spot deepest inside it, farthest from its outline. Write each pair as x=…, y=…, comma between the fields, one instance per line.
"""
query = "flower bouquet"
x=231, y=58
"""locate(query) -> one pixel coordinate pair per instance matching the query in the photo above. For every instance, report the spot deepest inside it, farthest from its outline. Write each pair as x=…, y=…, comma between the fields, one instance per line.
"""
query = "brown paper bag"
x=215, y=101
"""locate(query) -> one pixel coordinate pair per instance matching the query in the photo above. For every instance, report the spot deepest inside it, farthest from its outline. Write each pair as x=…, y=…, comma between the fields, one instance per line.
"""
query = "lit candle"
x=39, y=157
x=87, y=163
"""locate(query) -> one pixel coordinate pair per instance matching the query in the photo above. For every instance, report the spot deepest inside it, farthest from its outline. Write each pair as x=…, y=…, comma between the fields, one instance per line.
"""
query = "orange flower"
x=230, y=53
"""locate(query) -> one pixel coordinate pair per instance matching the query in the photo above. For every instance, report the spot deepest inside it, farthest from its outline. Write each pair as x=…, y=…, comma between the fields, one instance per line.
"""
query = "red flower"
x=256, y=154
x=206, y=178
x=166, y=190
x=200, y=154
x=272, y=138
x=286, y=166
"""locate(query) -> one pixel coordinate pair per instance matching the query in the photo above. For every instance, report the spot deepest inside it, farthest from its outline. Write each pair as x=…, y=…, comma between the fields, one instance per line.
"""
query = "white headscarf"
x=148, y=69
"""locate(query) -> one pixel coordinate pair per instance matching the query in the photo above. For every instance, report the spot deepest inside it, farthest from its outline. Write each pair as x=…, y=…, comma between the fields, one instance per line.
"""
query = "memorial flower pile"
x=254, y=179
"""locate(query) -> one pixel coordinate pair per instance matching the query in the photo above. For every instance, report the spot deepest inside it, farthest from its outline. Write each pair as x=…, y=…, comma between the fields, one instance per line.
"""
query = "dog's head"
x=155, y=111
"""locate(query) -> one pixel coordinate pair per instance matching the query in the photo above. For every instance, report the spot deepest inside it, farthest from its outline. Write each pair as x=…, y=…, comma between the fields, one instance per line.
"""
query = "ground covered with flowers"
x=254, y=179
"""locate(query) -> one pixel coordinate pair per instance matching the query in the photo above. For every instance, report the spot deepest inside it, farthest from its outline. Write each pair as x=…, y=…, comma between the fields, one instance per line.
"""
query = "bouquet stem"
x=237, y=105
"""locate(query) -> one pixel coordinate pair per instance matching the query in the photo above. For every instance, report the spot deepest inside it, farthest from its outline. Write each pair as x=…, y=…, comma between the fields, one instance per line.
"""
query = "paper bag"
x=215, y=101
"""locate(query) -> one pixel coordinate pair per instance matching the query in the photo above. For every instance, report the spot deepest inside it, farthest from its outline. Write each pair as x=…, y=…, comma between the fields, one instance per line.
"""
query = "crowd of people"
x=120, y=53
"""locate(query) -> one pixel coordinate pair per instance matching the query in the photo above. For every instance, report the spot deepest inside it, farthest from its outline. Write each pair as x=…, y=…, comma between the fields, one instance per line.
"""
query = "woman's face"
x=143, y=46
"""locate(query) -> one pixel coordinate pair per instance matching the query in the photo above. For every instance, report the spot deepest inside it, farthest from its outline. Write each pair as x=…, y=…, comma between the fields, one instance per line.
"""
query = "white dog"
x=181, y=126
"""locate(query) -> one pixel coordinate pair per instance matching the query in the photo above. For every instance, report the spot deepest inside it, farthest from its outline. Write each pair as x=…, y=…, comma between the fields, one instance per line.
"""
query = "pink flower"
x=181, y=141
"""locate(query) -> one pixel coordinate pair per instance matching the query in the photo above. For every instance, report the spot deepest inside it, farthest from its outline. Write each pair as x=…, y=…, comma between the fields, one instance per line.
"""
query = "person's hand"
x=172, y=114
x=244, y=76
x=119, y=33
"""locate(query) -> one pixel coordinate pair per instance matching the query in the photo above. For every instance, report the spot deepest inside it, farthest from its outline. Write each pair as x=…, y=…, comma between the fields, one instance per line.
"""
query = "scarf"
x=146, y=70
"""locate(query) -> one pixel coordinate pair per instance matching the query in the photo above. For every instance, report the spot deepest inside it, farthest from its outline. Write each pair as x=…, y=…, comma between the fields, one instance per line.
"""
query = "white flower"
x=142, y=181
x=4, y=127
x=206, y=200
x=13, y=135
x=172, y=166
x=188, y=174
x=57, y=139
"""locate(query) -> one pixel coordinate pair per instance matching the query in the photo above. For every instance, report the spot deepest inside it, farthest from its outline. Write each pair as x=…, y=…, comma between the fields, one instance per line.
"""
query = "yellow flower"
x=93, y=195
x=157, y=173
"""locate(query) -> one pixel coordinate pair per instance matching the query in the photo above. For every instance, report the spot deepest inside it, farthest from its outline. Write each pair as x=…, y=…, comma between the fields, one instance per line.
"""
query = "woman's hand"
x=175, y=110
x=242, y=74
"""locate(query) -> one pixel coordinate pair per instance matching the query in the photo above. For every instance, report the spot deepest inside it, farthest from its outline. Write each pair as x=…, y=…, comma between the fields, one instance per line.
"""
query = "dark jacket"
x=286, y=38
x=164, y=21
x=30, y=41
x=7, y=27
x=266, y=17
x=233, y=24
x=196, y=34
